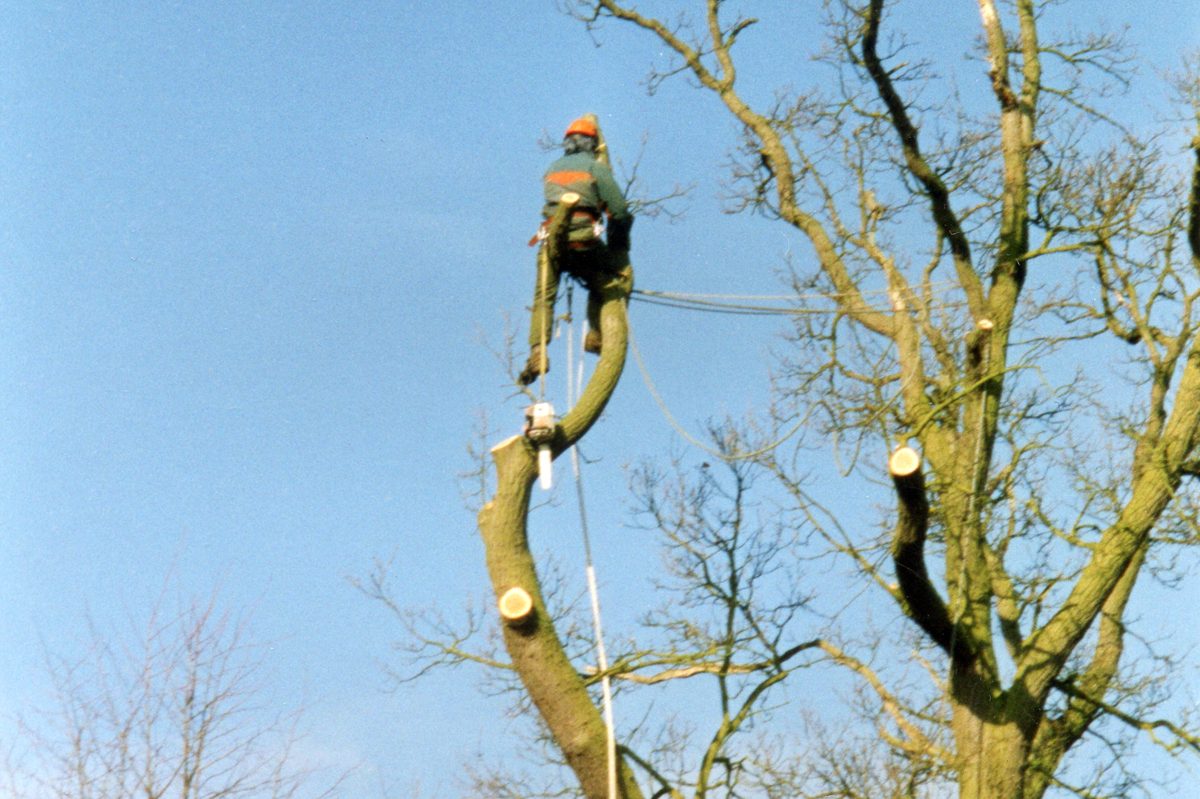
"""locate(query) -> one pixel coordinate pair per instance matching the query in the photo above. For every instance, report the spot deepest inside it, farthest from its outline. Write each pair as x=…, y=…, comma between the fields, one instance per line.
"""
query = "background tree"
x=1032, y=492
x=177, y=710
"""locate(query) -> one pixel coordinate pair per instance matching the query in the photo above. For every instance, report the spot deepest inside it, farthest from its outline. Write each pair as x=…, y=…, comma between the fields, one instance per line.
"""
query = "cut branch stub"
x=905, y=467
x=923, y=604
x=905, y=462
x=516, y=606
x=977, y=348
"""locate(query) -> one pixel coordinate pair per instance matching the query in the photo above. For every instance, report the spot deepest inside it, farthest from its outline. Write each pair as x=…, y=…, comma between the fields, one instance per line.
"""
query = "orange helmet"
x=583, y=126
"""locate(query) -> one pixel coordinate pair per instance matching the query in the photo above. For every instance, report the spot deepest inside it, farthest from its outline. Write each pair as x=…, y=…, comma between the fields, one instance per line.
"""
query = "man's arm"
x=620, y=220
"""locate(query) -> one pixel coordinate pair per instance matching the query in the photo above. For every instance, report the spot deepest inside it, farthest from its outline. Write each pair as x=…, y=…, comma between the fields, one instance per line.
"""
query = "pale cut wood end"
x=904, y=462
x=504, y=443
x=985, y=324
x=570, y=198
x=515, y=605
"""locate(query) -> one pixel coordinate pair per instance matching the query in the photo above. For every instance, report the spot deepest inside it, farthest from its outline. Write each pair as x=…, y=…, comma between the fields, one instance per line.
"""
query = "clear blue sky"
x=247, y=256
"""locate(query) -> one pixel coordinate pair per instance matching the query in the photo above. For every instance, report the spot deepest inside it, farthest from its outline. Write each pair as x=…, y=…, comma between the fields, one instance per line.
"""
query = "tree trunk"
x=993, y=730
x=991, y=757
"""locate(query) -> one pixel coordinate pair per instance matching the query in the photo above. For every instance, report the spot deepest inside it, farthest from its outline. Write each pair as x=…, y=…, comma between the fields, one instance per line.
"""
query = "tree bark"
x=992, y=756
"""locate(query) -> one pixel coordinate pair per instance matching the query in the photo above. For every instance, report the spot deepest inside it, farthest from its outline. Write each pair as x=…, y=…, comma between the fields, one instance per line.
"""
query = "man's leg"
x=607, y=268
x=541, y=322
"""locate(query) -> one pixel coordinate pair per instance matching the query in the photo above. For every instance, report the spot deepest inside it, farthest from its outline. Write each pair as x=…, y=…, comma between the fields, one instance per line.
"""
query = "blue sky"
x=250, y=255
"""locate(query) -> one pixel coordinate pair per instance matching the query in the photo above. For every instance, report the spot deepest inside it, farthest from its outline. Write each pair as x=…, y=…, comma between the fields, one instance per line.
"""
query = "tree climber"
x=588, y=258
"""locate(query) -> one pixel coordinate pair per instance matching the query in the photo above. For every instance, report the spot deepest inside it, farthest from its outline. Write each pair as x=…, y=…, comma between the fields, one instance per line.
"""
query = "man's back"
x=593, y=182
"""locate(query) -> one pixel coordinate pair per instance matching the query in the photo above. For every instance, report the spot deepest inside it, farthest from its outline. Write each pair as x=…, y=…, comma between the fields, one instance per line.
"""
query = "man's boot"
x=538, y=364
x=591, y=342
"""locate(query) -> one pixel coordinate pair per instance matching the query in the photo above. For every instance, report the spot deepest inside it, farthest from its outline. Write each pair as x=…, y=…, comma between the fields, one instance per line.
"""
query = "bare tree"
x=175, y=710
x=1023, y=243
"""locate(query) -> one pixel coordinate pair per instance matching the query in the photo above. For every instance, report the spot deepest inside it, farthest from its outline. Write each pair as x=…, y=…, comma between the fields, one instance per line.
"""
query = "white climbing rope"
x=573, y=391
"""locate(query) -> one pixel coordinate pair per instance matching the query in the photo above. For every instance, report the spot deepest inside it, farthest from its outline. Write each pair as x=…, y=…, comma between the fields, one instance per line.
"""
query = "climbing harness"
x=597, y=231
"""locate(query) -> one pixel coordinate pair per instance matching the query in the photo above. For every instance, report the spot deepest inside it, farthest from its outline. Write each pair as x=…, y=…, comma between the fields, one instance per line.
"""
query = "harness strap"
x=589, y=214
